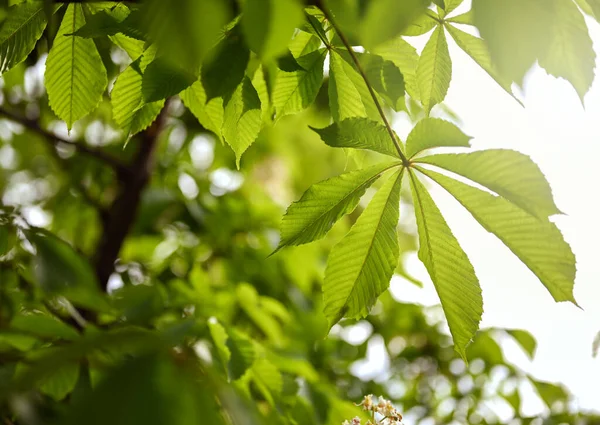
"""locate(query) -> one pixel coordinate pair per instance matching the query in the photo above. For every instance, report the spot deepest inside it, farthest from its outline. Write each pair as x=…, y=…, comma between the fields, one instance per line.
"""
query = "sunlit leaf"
x=75, y=75
x=361, y=265
x=209, y=114
x=538, y=244
x=432, y=133
x=449, y=269
x=20, y=32
x=435, y=70
x=344, y=98
x=324, y=203
x=359, y=133
x=242, y=118
x=510, y=174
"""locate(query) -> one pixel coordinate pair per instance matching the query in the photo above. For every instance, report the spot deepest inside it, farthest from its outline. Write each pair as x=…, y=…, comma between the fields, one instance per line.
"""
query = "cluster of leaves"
x=204, y=327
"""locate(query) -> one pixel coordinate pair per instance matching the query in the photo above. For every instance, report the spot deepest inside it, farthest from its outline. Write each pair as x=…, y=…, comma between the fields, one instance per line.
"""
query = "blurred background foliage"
x=200, y=325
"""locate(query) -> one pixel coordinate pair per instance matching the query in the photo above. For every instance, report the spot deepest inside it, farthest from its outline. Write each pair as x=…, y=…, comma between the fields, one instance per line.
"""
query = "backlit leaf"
x=361, y=265
x=449, y=269
x=20, y=31
x=209, y=114
x=344, y=98
x=510, y=174
x=405, y=57
x=435, y=70
x=75, y=75
x=242, y=352
x=525, y=340
x=359, y=133
x=386, y=19
x=432, y=133
x=538, y=244
x=324, y=203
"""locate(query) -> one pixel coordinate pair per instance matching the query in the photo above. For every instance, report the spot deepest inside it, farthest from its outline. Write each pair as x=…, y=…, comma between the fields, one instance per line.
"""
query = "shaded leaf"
x=510, y=174
x=449, y=269
x=242, y=353
x=219, y=337
x=538, y=244
x=405, y=57
x=358, y=133
x=60, y=382
x=432, y=133
x=550, y=393
x=386, y=19
x=110, y=22
x=20, y=31
x=75, y=75
x=43, y=326
x=162, y=80
x=268, y=25
x=435, y=70
x=296, y=91
x=225, y=71
x=361, y=265
x=324, y=203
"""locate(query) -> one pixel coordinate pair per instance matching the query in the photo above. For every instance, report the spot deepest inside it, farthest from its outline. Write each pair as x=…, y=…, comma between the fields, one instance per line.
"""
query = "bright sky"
x=563, y=138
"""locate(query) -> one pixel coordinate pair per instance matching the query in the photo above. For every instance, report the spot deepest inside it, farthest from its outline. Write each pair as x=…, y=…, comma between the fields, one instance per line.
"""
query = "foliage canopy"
x=134, y=280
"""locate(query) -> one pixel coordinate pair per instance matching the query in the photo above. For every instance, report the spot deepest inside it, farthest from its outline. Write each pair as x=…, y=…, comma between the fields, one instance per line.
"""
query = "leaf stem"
x=340, y=34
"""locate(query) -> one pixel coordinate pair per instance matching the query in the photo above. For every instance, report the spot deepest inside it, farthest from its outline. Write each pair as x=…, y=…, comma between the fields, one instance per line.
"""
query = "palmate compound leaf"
x=537, y=243
x=433, y=133
x=510, y=174
x=435, y=70
x=324, y=203
x=449, y=268
x=75, y=75
x=23, y=26
x=361, y=265
x=130, y=111
x=358, y=133
x=477, y=49
x=297, y=90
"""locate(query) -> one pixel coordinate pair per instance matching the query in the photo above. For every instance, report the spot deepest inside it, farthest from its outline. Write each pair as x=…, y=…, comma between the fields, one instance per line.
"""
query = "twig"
x=33, y=125
x=122, y=212
x=340, y=34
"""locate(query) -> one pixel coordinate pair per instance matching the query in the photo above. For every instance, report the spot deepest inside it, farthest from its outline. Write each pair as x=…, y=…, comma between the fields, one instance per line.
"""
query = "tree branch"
x=122, y=213
x=340, y=34
x=121, y=168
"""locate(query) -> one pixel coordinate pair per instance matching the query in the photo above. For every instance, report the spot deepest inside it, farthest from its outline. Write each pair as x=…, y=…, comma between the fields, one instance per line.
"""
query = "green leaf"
x=477, y=49
x=242, y=352
x=570, y=54
x=43, y=326
x=449, y=269
x=75, y=75
x=525, y=340
x=464, y=18
x=435, y=70
x=361, y=265
x=134, y=48
x=421, y=25
x=8, y=237
x=209, y=114
x=516, y=31
x=386, y=19
x=130, y=111
x=358, y=133
x=591, y=7
x=550, y=393
x=268, y=379
x=405, y=57
x=268, y=25
x=185, y=32
x=22, y=28
x=219, y=337
x=162, y=80
x=225, y=70
x=538, y=244
x=344, y=98
x=324, y=203
x=510, y=174
x=110, y=22
x=242, y=118
x=433, y=133
x=60, y=382
x=385, y=78
x=58, y=269
x=451, y=5
x=296, y=91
